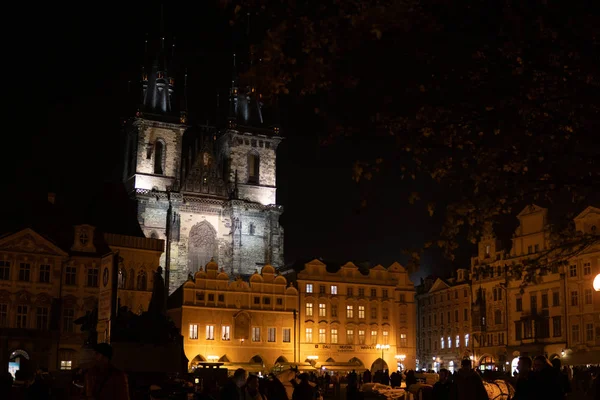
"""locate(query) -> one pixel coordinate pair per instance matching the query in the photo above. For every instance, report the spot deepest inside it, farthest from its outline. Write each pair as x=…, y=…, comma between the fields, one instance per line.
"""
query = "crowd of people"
x=536, y=379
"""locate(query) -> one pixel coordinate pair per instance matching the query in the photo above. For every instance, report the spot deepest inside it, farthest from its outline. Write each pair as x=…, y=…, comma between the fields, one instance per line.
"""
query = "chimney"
x=51, y=197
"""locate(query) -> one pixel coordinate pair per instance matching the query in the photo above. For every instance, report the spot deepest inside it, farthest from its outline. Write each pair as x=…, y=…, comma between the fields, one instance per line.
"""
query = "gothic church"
x=209, y=192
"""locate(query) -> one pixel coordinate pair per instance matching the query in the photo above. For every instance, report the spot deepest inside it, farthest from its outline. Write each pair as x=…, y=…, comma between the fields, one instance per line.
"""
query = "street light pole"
x=382, y=347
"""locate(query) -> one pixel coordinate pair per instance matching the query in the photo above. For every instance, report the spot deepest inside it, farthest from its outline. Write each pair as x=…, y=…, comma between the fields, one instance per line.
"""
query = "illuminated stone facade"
x=345, y=314
x=444, y=319
x=216, y=187
x=247, y=324
x=46, y=284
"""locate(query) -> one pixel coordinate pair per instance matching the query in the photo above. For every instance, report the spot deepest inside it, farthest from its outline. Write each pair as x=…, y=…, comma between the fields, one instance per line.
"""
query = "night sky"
x=71, y=94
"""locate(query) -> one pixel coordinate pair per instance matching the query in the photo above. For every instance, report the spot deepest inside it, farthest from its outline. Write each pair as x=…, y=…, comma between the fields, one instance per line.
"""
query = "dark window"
x=253, y=168
x=25, y=272
x=544, y=300
x=4, y=270
x=92, y=277
x=159, y=149
x=519, y=304
x=518, y=330
x=221, y=298
x=71, y=275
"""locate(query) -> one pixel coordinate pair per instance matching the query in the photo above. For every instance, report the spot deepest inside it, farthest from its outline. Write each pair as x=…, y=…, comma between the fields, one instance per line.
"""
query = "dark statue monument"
x=88, y=324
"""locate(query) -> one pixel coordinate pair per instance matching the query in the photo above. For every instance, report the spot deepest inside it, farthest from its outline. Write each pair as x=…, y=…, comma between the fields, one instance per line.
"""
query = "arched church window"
x=122, y=279
x=131, y=282
x=253, y=168
x=159, y=151
x=142, y=281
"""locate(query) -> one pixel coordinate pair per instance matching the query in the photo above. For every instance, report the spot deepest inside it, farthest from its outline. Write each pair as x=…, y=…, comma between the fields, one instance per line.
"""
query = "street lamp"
x=382, y=347
x=596, y=283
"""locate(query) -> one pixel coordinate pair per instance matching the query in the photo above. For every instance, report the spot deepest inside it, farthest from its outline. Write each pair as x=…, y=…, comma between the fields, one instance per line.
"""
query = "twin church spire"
x=161, y=99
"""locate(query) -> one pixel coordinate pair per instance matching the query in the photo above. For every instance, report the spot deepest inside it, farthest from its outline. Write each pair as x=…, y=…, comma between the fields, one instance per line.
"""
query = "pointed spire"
x=233, y=97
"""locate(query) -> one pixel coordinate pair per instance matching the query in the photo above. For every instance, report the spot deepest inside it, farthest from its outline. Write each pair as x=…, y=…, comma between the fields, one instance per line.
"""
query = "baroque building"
x=582, y=302
x=314, y=319
x=208, y=191
x=444, y=322
x=51, y=278
x=554, y=312
x=354, y=320
x=242, y=324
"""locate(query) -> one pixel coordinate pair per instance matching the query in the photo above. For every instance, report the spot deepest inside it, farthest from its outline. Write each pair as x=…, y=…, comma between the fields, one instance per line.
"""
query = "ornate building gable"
x=29, y=241
x=439, y=285
x=588, y=221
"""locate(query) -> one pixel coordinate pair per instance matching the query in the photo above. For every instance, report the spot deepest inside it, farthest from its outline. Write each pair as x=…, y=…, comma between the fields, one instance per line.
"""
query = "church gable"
x=29, y=241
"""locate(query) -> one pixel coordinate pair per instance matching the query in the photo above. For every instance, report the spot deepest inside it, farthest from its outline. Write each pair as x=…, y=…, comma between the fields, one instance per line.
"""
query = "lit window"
x=309, y=309
x=334, y=336
x=309, y=288
x=308, y=335
x=449, y=342
x=349, y=311
x=442, y=342
x=322, y=310
x=457, y=341
x=361, y=336
x=225, y=332
x=271, y=334
x=403, y=340
x=385, y=337
x=467, y=340
x=334, y=289
x=322, y=335
x=373, y=337
x=193, y=331
x=210, y=332
x=361, y=312
x=66, y=364
x=255, y=334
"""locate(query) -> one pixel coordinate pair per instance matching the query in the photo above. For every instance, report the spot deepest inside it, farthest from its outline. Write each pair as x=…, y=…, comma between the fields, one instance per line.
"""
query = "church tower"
x=208, y=191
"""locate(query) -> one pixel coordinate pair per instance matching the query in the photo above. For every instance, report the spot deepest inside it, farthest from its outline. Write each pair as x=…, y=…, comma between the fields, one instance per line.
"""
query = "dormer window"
x=83, y=238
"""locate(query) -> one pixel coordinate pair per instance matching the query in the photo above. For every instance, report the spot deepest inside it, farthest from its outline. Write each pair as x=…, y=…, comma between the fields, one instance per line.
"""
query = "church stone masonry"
x=209, y=192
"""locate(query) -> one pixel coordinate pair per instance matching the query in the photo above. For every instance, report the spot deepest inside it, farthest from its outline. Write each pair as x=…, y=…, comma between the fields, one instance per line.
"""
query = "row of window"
x=225, y=334
x=533, y=299
x=448, y=296
x=446, y=342
x=333, y=289
x=541, y=329
x=26, y=274
x=257, y=300
x=448, y=315
x=361, y=311
x=41, y=321
x=587, y=270
x=350, y=337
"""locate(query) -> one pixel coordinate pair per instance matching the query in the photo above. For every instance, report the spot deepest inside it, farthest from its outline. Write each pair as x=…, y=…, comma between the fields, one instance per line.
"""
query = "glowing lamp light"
x=562, y=353
x=312, y=357
x=597, y=283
